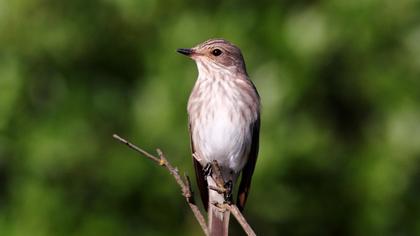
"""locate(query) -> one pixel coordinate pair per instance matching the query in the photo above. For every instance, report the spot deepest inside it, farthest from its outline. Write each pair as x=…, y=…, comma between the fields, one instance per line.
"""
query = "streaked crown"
x=218, y=51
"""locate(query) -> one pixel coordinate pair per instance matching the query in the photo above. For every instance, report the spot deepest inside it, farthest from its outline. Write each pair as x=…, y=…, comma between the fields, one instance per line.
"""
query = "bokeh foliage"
x=340, y=139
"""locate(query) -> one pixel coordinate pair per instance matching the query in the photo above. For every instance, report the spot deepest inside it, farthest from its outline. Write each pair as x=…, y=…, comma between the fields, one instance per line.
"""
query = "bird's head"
x=216, y=54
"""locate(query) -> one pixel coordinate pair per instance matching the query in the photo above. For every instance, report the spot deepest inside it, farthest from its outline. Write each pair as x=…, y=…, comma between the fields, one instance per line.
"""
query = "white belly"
x=221, y=136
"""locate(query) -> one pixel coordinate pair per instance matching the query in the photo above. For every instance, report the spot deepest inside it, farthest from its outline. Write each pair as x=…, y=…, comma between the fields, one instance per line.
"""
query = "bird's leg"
x=223, y=186
x=217, y=174
x=228, y=192
x=212, y=170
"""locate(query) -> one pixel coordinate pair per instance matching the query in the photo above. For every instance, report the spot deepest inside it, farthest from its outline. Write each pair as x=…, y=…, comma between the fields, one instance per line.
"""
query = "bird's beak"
x=186, y=51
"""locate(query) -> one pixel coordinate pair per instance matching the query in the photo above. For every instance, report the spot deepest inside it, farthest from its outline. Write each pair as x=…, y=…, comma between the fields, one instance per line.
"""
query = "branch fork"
x=185, y=185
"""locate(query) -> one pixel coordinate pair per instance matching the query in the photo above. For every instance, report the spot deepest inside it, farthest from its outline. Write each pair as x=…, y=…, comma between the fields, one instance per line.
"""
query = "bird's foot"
x=208, y=169
x=228, y=186
x=212, y=170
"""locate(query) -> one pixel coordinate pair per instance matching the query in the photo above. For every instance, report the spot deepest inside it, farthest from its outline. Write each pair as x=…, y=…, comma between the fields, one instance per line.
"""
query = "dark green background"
x=340, y=139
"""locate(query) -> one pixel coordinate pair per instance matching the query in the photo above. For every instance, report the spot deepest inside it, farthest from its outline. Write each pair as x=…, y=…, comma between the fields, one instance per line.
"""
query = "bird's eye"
x=216, y=52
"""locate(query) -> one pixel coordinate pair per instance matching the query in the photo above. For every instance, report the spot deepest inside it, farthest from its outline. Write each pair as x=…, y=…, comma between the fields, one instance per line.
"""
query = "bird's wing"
x=199, y=175
x=248, y=170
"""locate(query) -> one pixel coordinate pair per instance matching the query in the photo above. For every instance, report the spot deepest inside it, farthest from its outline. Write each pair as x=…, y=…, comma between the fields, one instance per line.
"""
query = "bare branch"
x=217, y=189
x=240, y=218
x=184, y=184
x=137, y=149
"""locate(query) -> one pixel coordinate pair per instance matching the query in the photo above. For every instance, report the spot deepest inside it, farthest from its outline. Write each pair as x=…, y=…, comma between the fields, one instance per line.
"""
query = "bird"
x=224, y=124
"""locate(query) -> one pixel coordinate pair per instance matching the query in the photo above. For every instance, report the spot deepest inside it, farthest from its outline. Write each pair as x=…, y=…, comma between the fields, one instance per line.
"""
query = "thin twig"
x=137, y=149
x=241, y=219
x=185, y=185
x=217, y=189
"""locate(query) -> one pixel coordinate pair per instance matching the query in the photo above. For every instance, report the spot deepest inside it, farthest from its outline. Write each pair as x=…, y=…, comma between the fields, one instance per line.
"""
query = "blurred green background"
x=340, y=139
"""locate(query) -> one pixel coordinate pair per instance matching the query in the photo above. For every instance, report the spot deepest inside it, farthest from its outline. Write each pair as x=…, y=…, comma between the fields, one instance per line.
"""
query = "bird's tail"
x=218, y=218
x=218, y=221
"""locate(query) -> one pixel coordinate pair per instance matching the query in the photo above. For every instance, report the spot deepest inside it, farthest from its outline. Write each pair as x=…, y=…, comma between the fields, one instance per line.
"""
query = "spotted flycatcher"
x=224, y=122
